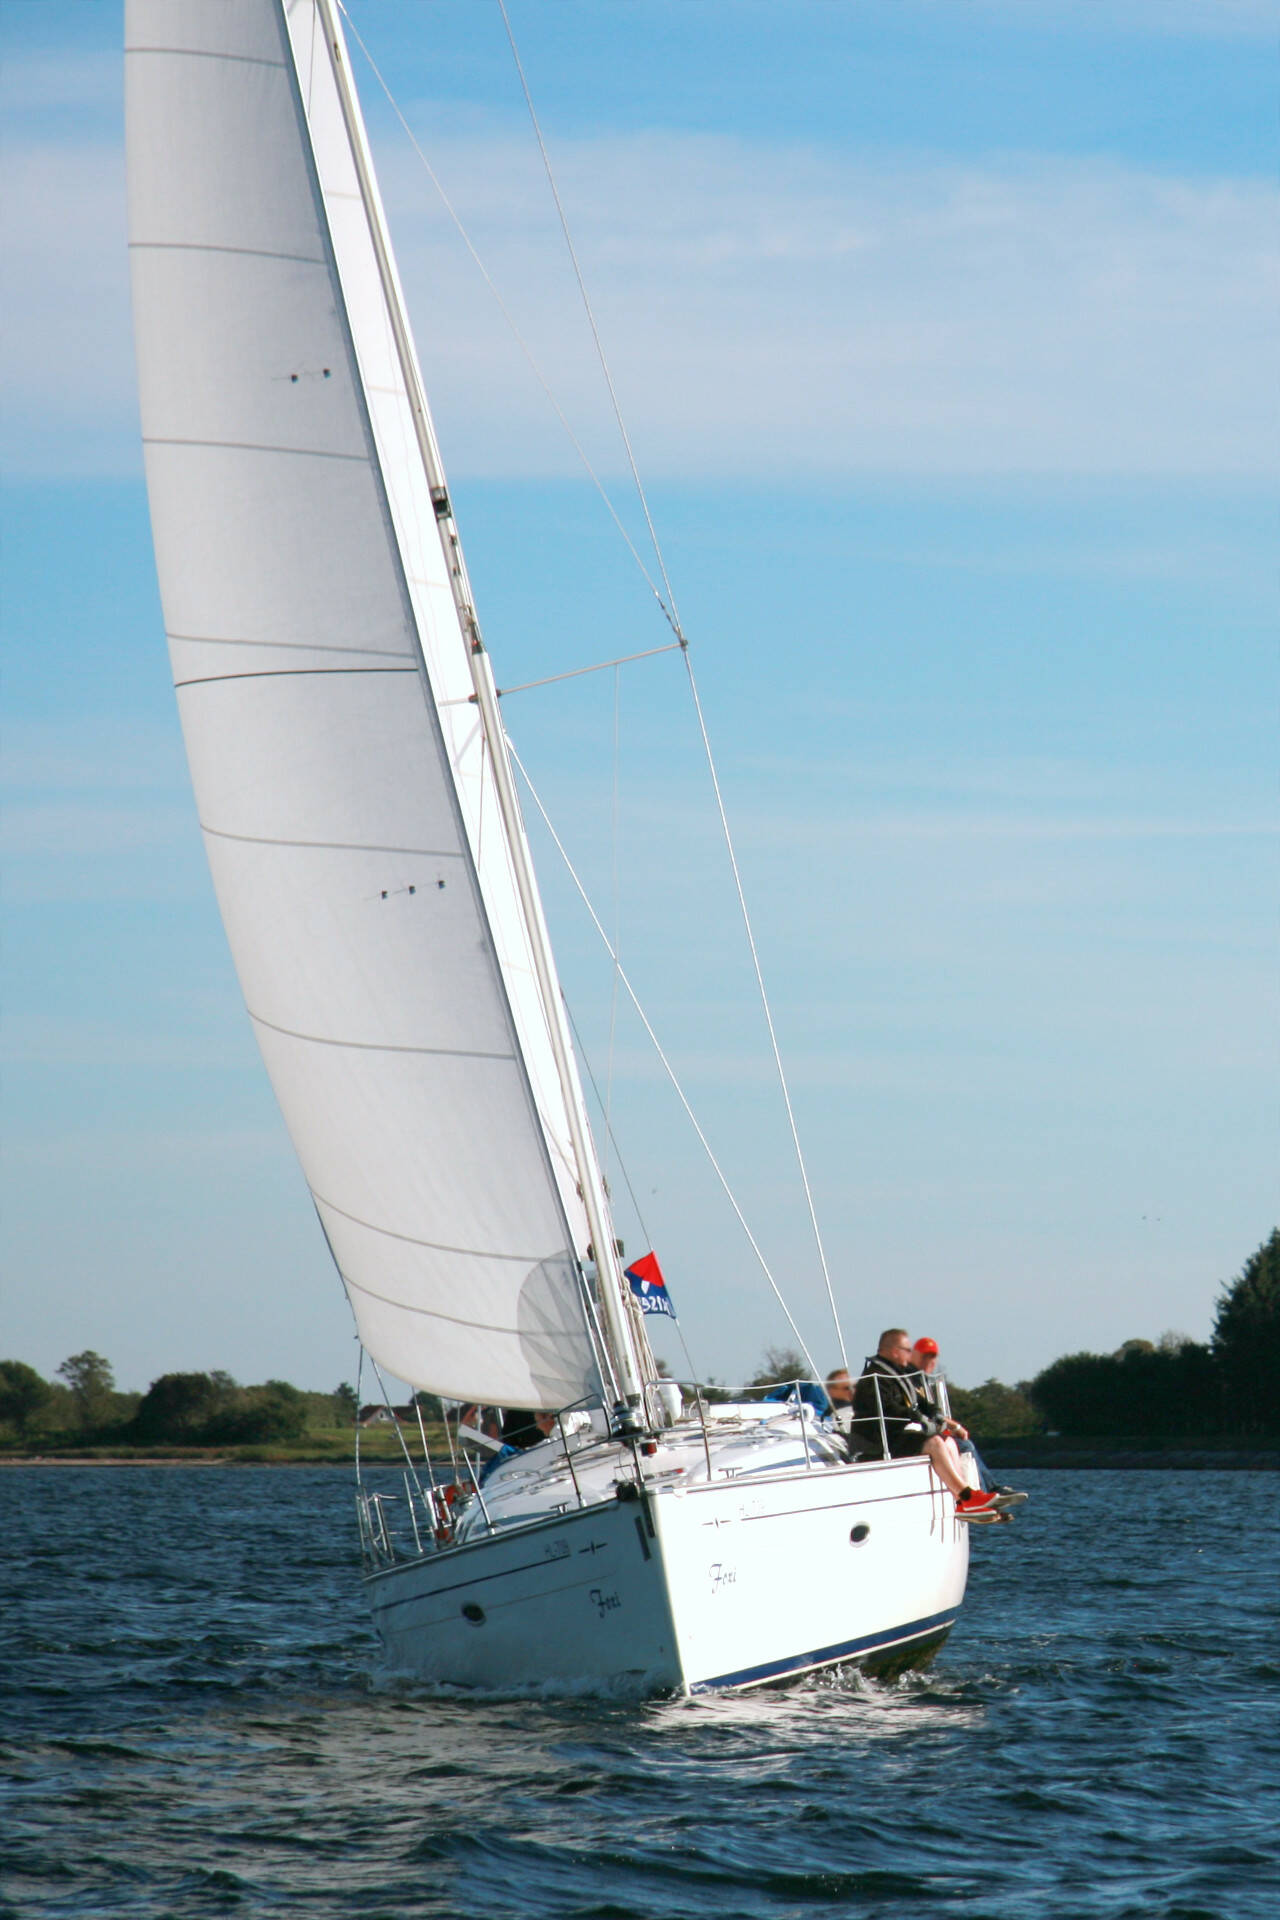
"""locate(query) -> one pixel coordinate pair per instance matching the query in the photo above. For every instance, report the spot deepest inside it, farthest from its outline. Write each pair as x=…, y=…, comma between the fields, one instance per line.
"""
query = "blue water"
x=191, y=1723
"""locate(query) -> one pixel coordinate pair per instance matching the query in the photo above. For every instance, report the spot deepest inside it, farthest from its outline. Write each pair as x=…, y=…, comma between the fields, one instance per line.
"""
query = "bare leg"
x=945, y=1461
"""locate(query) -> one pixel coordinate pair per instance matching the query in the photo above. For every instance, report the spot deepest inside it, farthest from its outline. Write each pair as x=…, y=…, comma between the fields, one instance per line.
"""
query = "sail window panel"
x=333, y=757
x=245, y=29
x=272, y=548
x=445, y=652
x=530, y=1020
x=439, y=1149
x=360, y=949
x=277, y=559
x=536, y=1355
x=511, y=941
x=410, y=500
x=244, y=350
x=232, y=172
x=366, y=308
x=334, y=165
x=348, y=223
x=444, y=649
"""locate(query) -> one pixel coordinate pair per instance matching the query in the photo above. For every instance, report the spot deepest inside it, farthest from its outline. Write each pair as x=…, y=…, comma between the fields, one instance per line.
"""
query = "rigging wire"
x=693, y=686
x=666, y=605
x=667, y=612
x=595, y=331
x=585, y=1058
x=666, y=1064
x=617, y=934
x=572, y=673
x=768, y=1018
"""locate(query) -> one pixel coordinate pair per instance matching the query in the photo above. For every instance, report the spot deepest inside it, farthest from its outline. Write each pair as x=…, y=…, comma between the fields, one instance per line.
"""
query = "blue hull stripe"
x=825, y=1656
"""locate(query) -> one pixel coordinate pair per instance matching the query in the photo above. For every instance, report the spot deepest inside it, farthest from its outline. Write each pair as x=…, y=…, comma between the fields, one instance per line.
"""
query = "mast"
x=624, y=1352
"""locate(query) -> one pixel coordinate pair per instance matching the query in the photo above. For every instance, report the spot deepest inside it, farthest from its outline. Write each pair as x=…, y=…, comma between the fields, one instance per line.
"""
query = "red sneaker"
x=973, y=1501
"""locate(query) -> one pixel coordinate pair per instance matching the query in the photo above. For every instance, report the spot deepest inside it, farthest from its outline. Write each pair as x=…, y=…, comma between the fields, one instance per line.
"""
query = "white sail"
x=363, y=875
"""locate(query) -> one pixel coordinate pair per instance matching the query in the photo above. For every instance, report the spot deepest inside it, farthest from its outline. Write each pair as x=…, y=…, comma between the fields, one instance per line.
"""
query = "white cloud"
x=57, y=829
x=97, y=809
x=70, y=1040
x=67, y=389
x=87, y=789
x=1183, y=19
x=79, y=752
x=38, y=83
x=787, y=310
x=1202, y=20
x=767, y=310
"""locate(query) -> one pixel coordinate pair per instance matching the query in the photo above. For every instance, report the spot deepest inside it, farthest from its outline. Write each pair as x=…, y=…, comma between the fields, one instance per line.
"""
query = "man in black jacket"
x=892, y=1414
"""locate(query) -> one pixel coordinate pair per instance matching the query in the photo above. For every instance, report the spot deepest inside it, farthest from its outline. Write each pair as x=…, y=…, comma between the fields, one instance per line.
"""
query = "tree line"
x=1174, y=1387
x=1177, y=1387
x=1171, y=1388
x=179, y=1409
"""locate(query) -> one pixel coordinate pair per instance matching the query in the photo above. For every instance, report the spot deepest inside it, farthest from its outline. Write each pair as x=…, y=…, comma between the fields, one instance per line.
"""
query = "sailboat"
x=365, y=837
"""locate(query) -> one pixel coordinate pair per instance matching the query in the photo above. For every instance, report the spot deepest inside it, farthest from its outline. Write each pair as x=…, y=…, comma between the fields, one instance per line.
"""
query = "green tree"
x=1246, y=1341
x=993, y=1411
x=344, y=1402
x=1140, y=1390
x=178, y=1406
x=23, y=1395
x=778, y=1364
x=275, y=1411
x=284, y=1408
x=92, y=1384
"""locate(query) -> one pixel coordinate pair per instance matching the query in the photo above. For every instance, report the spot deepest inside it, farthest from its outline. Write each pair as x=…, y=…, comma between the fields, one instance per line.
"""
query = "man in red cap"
x=894, y=1418
x=924, y=1358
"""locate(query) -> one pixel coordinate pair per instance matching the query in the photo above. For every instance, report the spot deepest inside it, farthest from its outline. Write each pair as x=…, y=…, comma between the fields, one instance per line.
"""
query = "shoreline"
x=1005, y=1458
x=1016, y=1459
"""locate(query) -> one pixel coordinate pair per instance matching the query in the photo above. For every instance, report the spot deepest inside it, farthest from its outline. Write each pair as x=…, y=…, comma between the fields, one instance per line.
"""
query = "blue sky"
x=946, y=336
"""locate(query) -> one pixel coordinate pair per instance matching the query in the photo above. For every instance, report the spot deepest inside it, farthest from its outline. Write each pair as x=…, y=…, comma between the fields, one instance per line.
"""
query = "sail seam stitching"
x=283, y=646
x=210, y=246
x=436, y=1246
x=377, y=1046
x=251, y=446
x=288, y=673
x=429, y=1313
x=333, y=846
x=212, y=53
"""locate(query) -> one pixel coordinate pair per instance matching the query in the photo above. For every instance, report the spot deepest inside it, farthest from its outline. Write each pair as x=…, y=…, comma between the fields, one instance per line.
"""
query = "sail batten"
x=377, y=932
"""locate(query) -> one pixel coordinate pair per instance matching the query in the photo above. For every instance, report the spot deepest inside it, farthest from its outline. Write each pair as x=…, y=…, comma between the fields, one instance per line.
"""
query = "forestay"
x=341, y=777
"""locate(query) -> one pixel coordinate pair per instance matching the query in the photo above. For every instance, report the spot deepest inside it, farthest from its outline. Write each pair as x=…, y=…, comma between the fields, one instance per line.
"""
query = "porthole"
x=859, y=1533
x=473, y=1613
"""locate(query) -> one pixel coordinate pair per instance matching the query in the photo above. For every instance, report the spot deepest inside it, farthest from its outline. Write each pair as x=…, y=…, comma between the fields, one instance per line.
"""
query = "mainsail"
x=344, y=786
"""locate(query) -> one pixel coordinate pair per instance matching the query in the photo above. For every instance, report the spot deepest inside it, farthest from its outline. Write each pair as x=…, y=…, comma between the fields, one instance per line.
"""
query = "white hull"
x=736, y=1582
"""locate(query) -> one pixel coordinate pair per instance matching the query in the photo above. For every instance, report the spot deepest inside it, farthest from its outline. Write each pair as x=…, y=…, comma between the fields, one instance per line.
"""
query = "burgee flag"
x=649, y=1287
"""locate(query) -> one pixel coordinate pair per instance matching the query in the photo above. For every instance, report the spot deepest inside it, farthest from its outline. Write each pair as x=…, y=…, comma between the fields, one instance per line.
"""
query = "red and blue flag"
x=644, y=1276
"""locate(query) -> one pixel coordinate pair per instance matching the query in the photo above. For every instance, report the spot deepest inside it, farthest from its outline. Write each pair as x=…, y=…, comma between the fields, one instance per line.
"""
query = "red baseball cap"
x=925, y=1345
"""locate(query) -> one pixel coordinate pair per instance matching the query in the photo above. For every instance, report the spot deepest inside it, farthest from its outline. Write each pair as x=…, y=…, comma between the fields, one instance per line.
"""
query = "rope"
x=516, y=334
x=666, y=1064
